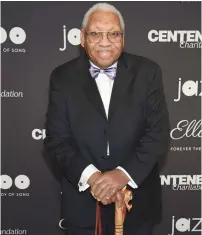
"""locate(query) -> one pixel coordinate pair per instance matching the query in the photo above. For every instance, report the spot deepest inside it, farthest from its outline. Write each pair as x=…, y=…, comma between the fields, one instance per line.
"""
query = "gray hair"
x=103, y=7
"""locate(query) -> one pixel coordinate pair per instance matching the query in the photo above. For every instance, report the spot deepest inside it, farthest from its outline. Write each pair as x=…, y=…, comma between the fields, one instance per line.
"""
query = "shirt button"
x=80, y=184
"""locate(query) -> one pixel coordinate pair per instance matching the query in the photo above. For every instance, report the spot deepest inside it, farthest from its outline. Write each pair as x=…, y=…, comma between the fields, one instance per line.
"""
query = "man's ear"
x=82, y=37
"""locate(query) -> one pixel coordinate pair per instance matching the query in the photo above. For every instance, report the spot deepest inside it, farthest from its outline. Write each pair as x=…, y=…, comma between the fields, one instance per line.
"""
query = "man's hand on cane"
x=110, y=188
x=118, y=197
x=106, y=187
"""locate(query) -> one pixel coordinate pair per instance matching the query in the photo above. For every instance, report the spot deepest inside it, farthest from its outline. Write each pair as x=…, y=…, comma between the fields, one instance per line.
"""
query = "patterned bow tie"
x=110, y=72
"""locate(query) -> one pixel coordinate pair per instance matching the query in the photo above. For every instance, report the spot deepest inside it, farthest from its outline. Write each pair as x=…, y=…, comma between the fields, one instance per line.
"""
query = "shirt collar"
x=111, y=66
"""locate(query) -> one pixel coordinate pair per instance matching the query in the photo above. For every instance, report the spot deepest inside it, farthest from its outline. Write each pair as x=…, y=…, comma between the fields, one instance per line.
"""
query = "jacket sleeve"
x=59, y=141
x=154, y=143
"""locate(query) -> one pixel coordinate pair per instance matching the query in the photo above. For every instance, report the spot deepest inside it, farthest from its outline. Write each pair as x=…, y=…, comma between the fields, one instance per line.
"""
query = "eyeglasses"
x=113, y=37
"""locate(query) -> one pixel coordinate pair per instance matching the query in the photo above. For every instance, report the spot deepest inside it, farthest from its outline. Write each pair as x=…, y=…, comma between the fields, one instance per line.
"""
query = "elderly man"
x=107, y=126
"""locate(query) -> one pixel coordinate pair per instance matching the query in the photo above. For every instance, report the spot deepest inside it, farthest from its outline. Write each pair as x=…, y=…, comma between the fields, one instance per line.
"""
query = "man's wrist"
x=127, y=179
x=87, y=172
x=131, y=181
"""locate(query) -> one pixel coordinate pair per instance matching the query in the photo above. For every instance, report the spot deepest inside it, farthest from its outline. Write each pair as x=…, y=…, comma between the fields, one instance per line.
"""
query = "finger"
x=93, y=195
x=103, y=192
x=109, y=201
x=113, y=198
x=99, y=189
x=120, y=199
x=95, y=189
x=96, y=185
x=121, y=193
x=111, y=192
x=104, y=201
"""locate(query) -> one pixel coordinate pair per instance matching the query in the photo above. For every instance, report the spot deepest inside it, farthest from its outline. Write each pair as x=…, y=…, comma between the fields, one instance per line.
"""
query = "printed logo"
x=185, y=148
x=187, y=129
x=11, y=94
x=73, y=37
x=182, y=182
x=21, y=182
x=13, y=231
x=16, y=35
x=185, y=38
x=188, y=88
x=39, y=134
x=186, y=225
x=62, y=224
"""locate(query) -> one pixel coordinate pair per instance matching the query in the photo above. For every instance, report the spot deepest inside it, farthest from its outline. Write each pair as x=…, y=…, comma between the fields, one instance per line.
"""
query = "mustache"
x=104, y=49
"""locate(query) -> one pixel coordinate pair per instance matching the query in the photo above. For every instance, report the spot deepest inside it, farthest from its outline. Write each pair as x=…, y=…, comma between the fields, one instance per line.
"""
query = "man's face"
x=104, y=52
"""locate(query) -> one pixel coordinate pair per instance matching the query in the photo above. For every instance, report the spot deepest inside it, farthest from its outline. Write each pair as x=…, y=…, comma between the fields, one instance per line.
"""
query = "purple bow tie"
x=110, y=72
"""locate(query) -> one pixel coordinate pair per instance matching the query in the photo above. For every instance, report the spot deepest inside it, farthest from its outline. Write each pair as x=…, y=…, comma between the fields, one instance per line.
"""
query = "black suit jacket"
x=77, y=131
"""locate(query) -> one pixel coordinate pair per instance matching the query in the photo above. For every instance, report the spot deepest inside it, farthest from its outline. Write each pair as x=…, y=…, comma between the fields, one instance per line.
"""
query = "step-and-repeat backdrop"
x=38, y=36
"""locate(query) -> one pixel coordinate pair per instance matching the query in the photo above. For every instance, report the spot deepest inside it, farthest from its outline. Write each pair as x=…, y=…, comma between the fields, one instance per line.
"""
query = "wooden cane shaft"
x=118, y=220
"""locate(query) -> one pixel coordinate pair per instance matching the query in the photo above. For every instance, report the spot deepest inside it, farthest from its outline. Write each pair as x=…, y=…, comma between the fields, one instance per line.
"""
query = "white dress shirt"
x=104, y=84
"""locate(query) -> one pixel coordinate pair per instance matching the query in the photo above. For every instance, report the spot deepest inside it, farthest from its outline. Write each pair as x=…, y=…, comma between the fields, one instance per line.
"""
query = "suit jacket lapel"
x=123, y=78
x=90, y=87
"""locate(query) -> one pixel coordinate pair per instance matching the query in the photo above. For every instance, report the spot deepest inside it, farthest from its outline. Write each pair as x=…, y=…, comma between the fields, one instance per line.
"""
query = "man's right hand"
x=117, y=197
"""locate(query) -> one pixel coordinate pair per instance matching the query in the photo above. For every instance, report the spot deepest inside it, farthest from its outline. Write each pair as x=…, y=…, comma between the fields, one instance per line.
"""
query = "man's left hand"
x=109, y=184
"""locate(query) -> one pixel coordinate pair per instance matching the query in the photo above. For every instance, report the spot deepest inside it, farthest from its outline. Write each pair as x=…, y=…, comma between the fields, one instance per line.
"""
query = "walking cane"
x=120, y=214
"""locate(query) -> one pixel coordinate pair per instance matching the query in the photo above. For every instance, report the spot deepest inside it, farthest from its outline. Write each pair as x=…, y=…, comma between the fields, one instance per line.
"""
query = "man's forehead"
x=100, y=19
